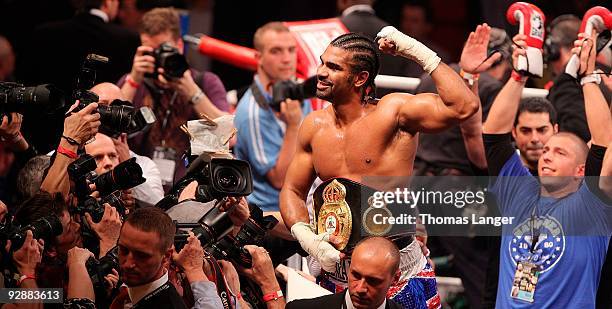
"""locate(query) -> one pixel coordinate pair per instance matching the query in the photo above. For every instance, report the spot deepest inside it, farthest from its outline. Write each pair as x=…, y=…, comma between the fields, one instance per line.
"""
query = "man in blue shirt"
x=563, y=222
x=267, y=138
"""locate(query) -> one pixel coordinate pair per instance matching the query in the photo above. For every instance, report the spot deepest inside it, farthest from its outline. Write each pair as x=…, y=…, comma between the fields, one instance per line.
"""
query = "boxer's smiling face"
x=334, y=74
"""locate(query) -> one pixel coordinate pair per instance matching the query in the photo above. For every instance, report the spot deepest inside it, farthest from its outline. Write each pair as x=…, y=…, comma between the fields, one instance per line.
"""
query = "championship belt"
x=338, y=204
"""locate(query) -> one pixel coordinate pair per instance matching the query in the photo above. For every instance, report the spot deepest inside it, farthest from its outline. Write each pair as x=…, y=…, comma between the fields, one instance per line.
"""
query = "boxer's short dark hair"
x=365, y=56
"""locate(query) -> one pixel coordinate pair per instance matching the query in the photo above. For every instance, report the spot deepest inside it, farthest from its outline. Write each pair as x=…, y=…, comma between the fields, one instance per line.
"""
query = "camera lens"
x=228, y=178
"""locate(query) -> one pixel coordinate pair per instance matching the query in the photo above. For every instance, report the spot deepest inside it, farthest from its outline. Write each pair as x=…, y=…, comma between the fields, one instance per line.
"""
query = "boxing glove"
x=531, y=23
x=598, y=18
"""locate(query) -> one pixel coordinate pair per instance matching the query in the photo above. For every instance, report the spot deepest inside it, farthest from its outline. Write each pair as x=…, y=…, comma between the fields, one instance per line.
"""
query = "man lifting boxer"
x=352, y=139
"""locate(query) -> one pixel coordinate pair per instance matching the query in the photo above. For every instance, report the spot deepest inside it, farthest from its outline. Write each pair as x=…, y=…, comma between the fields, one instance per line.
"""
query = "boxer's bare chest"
x=367, y=147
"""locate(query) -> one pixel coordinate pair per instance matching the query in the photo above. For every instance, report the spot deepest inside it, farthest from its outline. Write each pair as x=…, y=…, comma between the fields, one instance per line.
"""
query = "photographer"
x=26, y=259
x=145, y=247
x=79, y=128
x=173, y=100
x=266, y=138
x=109, y=152
x=43, y=204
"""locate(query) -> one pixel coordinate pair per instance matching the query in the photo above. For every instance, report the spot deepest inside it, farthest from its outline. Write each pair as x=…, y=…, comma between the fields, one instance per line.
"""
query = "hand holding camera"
x=78, y=256
x=262, y=271
x=191, y=259
x=82, y=125
x=144, y=62
x=291, y=113
x=107, y=229
x=29, y=255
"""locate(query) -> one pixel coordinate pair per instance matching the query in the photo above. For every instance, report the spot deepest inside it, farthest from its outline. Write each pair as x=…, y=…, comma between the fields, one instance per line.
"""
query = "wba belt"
x=338, y=203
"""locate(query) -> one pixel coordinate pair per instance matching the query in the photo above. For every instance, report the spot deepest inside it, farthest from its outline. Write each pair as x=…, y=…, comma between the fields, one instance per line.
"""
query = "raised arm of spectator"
x=597, y=111
x=80, y=287
x=505, y=106
x=79, y=127
x=474, y=61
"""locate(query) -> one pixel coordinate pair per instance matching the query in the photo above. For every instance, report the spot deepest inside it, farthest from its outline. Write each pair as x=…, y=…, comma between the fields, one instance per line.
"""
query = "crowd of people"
x=103, y=216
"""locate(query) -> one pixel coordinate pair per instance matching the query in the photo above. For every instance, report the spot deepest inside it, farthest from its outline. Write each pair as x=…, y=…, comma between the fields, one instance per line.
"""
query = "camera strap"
x=222, y=289
x=258, y=95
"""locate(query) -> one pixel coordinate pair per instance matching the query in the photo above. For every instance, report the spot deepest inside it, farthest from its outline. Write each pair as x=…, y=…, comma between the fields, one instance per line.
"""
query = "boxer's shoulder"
x=312, y=123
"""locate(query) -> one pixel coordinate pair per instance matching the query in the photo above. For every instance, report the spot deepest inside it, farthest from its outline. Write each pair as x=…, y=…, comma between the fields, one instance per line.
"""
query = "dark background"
x=235, y=21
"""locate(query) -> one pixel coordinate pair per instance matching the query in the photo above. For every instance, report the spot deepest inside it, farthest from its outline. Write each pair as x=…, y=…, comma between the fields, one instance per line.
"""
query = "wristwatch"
x=196, y=97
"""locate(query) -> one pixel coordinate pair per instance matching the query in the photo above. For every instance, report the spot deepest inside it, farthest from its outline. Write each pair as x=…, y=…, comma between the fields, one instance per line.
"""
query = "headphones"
x=552, y=50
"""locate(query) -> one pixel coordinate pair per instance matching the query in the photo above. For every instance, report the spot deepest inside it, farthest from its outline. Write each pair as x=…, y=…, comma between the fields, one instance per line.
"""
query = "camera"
x=44, y=228
x=220, y=175
x=95, y=208
x=213, y=231
x=98, y=269
x=126, y=175
x=15, y=98
x=288, y=89
x=116, y=118
x=121, y=117
x=170, y=59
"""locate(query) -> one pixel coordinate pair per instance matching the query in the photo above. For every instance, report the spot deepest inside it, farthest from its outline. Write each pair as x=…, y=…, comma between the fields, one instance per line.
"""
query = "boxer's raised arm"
x=429, y=112
x=505, y=106
x=300, y=176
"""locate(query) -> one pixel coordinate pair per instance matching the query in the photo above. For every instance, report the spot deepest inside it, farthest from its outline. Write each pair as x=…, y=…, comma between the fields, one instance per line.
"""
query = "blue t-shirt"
x=259, y=140
x=574, y=233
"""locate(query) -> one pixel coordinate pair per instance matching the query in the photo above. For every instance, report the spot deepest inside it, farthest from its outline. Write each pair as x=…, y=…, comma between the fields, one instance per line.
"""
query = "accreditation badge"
x=525, y=281
x=335, y=215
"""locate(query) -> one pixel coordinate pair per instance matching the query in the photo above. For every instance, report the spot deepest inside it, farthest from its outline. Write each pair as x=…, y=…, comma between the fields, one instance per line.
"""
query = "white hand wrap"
x=316, y=245
x=411, y=48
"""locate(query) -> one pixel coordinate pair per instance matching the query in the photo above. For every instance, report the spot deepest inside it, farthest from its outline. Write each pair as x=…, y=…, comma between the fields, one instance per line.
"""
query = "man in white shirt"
x=110, y=152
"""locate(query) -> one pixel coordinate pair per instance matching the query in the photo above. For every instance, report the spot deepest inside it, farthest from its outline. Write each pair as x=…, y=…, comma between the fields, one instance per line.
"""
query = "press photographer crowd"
x=131, y=179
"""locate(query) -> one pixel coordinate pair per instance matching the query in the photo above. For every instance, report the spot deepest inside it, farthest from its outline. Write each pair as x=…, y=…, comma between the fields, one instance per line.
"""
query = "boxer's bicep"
x=426, y=113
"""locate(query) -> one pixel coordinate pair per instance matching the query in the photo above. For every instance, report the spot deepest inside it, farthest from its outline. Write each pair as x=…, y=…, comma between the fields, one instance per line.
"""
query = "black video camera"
x=170, y=59
x=126, y=175
x=44, y=228
x=116, y=118
x=15, y=98
x=98, y=269
x=288, y=89
x=218, y=175
x=213, y=231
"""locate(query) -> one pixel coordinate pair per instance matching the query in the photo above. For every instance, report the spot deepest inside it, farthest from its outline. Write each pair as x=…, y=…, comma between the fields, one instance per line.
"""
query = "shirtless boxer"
x=353, y=139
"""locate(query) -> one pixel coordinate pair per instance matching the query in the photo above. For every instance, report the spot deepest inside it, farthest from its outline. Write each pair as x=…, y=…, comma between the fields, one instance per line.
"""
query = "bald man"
x=7, y=60
x=109, y=152
x=373, y=270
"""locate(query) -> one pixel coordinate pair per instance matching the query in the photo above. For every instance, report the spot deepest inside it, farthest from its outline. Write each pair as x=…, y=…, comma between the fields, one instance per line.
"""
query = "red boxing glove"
x=531, y=23
x=598, y=18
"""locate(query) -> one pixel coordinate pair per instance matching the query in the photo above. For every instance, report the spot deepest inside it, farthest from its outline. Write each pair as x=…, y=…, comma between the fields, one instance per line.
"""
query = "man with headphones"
x=566, y=94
